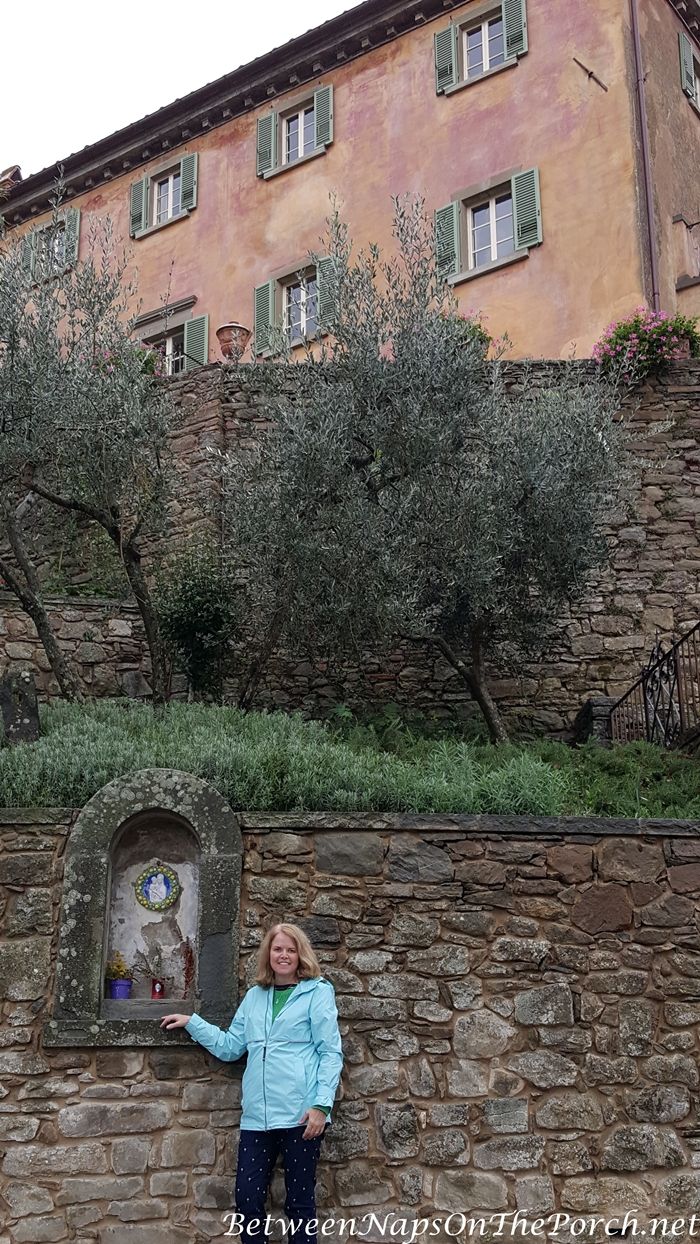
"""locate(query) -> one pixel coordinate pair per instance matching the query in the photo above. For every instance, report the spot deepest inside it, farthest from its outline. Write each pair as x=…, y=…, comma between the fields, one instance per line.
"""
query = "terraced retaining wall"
x=651, y=586
x=520, y=1006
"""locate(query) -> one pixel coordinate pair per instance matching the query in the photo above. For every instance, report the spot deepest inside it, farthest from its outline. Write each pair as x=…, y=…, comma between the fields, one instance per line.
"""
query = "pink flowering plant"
x=150, y=358
x=646, y=341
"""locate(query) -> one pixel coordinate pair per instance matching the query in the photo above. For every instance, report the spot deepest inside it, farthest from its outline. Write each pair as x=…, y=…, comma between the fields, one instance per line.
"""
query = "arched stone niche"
x=134, y=824
x=153, y=910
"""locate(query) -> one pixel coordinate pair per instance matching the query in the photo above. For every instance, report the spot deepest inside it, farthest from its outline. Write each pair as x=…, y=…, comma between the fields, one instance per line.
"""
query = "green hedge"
x=274, y=762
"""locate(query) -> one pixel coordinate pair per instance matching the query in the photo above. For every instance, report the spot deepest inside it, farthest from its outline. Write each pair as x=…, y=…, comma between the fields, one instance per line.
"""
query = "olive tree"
x=17, y=567
x=408, y=487
x=84, y=421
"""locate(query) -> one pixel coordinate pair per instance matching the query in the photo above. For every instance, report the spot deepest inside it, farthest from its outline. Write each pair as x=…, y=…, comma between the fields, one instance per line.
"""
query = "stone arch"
x=77, y=1017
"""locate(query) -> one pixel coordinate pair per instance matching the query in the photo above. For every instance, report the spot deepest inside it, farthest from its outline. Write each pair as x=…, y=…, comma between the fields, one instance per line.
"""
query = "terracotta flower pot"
x=233, y=339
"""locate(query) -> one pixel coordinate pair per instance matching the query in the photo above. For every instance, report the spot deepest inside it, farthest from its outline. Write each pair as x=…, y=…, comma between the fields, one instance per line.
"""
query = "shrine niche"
x=153, y=910
x=149, y=919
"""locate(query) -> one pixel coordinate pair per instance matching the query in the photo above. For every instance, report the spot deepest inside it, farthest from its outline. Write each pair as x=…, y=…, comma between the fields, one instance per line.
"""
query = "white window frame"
x=46, y=266
x=696, y=97
x=167, y=344
x=305, y=297
x=483, y=25
x=157, y=181
x=469, y=208
x=299, y=116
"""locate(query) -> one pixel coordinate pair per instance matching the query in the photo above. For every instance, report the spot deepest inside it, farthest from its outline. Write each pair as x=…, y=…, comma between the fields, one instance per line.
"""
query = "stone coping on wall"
x=479, y=825
x=68, y=600
x=127, y=1033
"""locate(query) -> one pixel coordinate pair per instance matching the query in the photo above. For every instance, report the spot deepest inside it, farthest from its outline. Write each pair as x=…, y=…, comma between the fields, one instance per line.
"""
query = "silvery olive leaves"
x=407, y=488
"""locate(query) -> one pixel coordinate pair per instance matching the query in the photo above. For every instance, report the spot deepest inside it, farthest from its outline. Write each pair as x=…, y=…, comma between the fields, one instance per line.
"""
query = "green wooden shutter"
x=685, y=49
x=447, y=248
x=28, y=254
x=323, y=114
x=196, y=342
x=188, y=182
x=138, y=220
x=515, y=26
x=72, y=236
x=446, y=58
x=527, y=216
x=266, y=143
x=264, y=315
x=325, y=291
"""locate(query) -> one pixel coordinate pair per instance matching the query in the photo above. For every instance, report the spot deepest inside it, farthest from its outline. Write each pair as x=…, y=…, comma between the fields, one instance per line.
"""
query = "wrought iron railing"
x=663, y=706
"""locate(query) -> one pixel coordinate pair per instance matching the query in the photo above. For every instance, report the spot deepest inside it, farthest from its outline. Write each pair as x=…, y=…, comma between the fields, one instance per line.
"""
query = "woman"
x=288, y=1024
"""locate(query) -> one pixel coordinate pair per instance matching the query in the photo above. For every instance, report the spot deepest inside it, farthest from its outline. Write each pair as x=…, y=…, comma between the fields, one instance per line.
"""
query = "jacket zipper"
x=267, y=1033
x=268, y=1025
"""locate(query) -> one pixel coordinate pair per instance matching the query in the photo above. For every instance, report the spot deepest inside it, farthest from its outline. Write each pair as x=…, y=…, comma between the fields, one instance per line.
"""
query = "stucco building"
x=558, y=143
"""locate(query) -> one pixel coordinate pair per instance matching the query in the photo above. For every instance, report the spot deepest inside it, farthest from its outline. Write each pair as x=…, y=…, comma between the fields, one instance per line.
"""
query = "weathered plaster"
x=157, y=936
x=674, y=136
x=394, y=135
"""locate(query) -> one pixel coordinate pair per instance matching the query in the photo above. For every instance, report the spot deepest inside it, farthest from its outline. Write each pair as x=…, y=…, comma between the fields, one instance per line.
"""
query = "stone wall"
x=104, y=640
x=520, y=1009
x=651, y=586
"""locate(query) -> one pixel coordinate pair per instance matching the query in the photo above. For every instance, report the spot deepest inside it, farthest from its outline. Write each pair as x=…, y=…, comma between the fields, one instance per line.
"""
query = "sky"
x=89, y=68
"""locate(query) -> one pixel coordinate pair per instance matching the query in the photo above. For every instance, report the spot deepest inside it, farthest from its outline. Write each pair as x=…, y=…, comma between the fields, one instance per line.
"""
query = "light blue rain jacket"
x=293, y=1063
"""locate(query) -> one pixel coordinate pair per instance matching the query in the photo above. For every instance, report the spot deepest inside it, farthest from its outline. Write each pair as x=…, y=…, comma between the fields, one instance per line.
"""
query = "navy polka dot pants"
x=257, y=1154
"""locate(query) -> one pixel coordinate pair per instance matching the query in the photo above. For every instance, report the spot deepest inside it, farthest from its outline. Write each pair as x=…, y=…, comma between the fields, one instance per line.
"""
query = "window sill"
x=459, y=86
x=144, y=233
x=285, y=168
x=297, y=343
x=306, y=340
x=472, y=273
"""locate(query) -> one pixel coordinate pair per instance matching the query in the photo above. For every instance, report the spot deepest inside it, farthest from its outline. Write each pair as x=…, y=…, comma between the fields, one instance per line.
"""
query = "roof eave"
x=341, y=39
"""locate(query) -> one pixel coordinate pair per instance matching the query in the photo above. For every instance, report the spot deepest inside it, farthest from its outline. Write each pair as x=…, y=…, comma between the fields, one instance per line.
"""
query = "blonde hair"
x=309, y=966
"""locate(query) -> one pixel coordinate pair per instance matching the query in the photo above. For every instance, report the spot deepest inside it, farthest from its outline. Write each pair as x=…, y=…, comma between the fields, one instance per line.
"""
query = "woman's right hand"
x=175, y=1021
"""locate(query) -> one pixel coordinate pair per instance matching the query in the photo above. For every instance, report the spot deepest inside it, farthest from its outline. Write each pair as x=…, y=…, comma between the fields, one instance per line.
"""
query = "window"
x=295, y=305
x=490, y=230
x=166, y=197
x=464, y=53
x=301, y=309
x=168, y=194
x=483, y=47
x=183, y=345
x=690, y=69
x=53, y=248
x=50, y=251
x=299, y=134
x=488, y=227
x=172, y=347
x=284, y=138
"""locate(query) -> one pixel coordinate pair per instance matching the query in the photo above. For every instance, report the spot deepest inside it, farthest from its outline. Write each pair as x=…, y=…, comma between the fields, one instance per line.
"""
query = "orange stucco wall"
x=394, y=134
x=674, y=137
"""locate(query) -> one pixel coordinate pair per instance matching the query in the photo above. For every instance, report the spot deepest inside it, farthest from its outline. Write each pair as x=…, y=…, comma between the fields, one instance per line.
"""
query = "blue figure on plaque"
x=157, y=887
